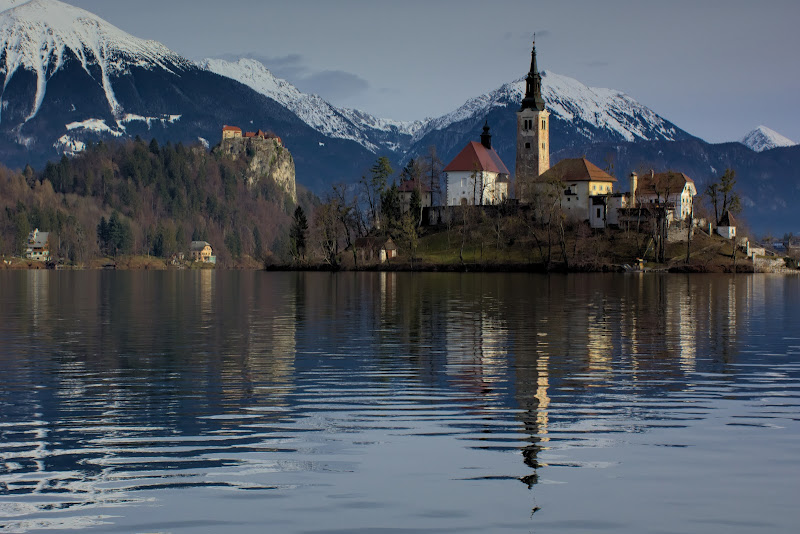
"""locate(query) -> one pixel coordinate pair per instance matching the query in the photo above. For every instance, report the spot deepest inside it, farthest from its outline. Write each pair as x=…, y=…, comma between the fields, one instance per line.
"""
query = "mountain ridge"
x=70, y=78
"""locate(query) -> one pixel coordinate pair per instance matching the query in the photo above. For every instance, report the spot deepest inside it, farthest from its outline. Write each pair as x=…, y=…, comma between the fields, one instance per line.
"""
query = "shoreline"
x=744, y=267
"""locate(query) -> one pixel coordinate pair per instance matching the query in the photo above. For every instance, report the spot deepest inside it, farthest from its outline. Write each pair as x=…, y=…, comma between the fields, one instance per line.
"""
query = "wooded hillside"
x=159, y=198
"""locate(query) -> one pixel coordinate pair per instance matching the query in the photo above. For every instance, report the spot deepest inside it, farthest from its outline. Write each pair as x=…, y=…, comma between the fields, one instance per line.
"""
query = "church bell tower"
x=533, y=133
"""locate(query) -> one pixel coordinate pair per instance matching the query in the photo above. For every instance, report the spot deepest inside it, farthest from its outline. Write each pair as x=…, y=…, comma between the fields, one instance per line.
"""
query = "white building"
x=669, y=187
x=38, y=246
x=727, y=226
x=477, y=175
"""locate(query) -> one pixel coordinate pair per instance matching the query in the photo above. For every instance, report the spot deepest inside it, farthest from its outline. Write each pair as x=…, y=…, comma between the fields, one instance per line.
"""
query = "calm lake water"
x=398, y=402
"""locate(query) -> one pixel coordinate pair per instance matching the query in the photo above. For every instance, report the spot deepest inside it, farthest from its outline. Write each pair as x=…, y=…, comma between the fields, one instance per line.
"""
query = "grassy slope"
x=585, y=251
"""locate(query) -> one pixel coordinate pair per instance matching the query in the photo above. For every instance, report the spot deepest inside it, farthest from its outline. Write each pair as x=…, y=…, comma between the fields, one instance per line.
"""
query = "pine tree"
x=23, y=230
x=297, y=234
x=103, y=235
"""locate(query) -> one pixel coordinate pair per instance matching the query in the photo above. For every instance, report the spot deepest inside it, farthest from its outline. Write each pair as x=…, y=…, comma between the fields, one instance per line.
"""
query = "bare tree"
x=433, y=173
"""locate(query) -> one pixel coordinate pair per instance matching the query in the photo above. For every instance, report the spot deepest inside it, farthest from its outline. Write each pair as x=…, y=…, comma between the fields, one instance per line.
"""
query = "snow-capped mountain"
x=571, y=101
x=340, y=123
x=763, y=138
x=590, y=109
x=69, y=78
x=580, y=115
x=41, y=36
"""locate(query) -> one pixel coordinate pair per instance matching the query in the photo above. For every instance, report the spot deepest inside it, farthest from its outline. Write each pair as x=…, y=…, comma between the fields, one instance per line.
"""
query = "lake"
x=201, y=401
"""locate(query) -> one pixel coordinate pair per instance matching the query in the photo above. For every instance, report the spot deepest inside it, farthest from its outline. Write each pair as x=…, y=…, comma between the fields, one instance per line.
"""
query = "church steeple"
x=533, y=135
x=533, y=86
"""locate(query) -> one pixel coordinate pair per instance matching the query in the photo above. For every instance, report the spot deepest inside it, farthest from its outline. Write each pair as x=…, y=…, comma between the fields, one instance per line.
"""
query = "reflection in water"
x=128, y=390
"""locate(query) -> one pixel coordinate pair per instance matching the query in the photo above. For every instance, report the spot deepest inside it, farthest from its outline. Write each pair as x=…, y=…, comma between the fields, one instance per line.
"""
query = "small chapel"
x=477, y=176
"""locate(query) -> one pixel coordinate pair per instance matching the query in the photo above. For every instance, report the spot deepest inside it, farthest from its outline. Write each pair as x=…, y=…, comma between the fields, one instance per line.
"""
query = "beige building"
x=201, y=251
x=231, y=132
x=574, y=182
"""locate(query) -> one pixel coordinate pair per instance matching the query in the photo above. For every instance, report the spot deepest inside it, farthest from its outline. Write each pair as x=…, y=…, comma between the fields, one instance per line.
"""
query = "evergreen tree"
x=415, y=205
x=103, y=235
x=297, y=234
x=375, y=186
x=23, y=230
x=258, y=245
x=391, y=210
x=234, y=243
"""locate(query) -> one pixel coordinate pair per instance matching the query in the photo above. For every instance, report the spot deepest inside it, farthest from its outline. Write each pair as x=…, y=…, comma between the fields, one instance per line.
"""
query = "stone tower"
x=533, y=133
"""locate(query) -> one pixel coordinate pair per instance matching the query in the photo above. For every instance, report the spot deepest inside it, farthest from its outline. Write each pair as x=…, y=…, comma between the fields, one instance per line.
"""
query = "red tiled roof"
x=476, y=157
x=227, y=128
x=576, y=170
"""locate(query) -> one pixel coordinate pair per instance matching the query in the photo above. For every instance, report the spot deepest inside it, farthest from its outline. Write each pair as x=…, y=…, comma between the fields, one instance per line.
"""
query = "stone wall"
x=772, y=265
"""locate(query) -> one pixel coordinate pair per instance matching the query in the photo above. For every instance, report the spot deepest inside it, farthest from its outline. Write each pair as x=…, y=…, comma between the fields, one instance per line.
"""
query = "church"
x=477, y=176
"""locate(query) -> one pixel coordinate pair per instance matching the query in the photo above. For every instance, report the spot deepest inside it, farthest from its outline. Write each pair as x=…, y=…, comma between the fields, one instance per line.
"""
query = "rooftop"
x=576, y=170
x=476, y=157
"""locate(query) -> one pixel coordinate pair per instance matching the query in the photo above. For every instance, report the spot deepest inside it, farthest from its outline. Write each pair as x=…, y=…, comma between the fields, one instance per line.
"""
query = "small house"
x=375, y=249
x=727, y=226
x=38, y=246
x=201, y=251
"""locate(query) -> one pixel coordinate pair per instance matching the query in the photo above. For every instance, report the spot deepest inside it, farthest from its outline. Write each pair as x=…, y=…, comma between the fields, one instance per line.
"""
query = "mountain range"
x=70, y=78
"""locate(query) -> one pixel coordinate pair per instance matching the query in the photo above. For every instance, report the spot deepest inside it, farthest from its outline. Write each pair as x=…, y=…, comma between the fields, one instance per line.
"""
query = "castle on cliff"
x=234, y=132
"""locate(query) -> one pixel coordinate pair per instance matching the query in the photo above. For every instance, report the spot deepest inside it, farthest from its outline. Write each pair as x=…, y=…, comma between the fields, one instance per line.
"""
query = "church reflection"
x=548, y=352
x=132, y=363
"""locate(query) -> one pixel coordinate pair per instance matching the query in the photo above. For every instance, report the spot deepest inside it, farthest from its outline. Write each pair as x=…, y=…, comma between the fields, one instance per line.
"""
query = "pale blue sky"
x=717, y=68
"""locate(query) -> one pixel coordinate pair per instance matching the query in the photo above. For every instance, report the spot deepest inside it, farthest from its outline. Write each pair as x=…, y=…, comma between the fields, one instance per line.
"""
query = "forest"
x=140, y=198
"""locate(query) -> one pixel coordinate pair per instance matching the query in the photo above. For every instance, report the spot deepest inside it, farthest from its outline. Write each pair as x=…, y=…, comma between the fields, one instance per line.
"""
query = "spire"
x=533, y=85
x=486, y=137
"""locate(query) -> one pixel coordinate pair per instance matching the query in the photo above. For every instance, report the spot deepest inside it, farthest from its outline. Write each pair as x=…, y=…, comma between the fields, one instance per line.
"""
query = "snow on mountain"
x=763, y=138
x=571, y=101
x=41, y=35
x=334, y=122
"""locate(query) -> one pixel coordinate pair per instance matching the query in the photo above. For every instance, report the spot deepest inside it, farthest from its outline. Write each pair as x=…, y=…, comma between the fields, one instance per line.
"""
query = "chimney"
x=486, y=137
x=634, y=185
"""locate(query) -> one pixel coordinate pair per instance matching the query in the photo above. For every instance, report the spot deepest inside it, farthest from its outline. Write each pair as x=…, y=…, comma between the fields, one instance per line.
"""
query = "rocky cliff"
x=267, y=160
